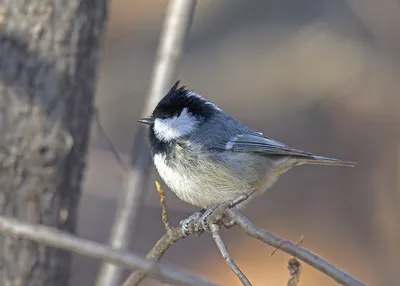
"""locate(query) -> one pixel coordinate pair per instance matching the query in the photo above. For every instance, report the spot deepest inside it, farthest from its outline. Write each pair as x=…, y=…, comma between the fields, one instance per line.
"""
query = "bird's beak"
x=147, y=120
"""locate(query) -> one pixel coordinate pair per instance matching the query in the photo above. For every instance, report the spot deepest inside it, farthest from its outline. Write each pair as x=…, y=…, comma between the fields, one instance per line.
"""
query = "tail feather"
x=320, y=160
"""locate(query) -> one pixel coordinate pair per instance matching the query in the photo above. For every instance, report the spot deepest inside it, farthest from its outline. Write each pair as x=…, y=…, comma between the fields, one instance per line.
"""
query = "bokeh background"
x=319, y=75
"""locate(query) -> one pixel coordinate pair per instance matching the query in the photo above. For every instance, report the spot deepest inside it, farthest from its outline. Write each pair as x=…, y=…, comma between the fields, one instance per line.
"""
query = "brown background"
x=319, y=75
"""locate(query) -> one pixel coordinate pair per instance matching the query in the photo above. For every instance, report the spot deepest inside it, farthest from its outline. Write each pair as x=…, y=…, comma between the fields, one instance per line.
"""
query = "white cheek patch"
x=192, y=93
x=173, y=128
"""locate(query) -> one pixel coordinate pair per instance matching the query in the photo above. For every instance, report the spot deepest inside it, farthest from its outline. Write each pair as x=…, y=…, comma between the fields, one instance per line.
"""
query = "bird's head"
x=178, y=114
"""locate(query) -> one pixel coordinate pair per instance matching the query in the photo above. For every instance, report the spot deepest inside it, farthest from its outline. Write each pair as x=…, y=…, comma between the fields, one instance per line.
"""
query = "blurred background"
x=319, y=75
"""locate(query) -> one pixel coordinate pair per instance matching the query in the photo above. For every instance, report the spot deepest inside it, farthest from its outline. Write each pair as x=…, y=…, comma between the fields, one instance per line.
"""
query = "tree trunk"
x=49, y=54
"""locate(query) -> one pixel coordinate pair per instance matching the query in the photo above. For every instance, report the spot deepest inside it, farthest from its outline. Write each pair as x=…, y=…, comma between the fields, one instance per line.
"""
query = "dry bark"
x=49, y=54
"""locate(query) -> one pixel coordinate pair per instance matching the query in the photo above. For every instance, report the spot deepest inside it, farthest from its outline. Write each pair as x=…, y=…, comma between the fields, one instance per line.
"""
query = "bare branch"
x=298, y=243
x=176, y=28
x=294, y=268
x=224, y=252
x=62, y=240
x=236, y=216
x=164, y=243
x=164, y=213
x=109, y=143
x=290, y=248
x=158, y=250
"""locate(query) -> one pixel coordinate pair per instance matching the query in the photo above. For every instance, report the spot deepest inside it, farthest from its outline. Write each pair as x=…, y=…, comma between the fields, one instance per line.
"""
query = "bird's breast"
x=203, y=179
x=176, y=180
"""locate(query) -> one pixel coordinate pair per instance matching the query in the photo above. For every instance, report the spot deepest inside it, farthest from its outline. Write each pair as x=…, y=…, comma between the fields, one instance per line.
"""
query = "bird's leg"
x=215, y=213
x=188, y=227
x=212, y=210
x=201, y=221
x=185, y=223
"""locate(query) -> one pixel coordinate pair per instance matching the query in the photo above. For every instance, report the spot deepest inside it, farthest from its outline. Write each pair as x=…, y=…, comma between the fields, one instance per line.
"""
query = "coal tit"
x=207, y=157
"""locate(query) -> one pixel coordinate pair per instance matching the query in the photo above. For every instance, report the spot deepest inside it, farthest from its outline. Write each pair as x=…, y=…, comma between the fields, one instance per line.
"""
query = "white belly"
x=204, y=186
x=175, y=180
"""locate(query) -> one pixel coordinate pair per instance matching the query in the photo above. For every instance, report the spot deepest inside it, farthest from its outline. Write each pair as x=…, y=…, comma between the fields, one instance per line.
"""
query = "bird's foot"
x=212, y=215
x=202, y=220
x=215, y=213
x=187, y=227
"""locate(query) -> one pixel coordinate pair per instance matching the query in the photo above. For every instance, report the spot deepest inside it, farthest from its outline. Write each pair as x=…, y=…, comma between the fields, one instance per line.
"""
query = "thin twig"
x=224, y=252
x=241, y=198
x=164, y=213
x=171, y=237
x=109, y=143
x=294, y=268
x=292, y=249
x=164, y=243
x=313, y=260
x=158, y=250
x=298, y=243
x=177, y=23
x=62, y=240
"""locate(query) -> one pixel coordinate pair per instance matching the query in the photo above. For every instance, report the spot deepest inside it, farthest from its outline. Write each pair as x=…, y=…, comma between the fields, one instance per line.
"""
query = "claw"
x=206, y=214
x=188, y=228
x=184, y=224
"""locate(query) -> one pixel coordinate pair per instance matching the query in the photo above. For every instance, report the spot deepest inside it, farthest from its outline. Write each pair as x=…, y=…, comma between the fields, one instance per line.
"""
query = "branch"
x=163, y=244
x=158, y=250
x=294, y=268
x=194, y=228
x=110, y=145
x=237, y=218
x=164, y=213
x=62, y=240
x=177, y=23
x=290, y=248
x=224, y=252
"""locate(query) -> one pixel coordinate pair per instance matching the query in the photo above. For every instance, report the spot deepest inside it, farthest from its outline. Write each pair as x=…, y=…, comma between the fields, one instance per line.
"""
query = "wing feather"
x=260, y=144
x=257, y=143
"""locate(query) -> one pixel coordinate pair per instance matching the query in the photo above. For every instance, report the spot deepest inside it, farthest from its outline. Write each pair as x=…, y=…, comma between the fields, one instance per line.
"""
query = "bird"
x=207, y=157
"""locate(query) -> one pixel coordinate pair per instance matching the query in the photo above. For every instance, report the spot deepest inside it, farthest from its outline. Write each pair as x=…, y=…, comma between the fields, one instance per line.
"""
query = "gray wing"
x=258, y=144
x=252, y=143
